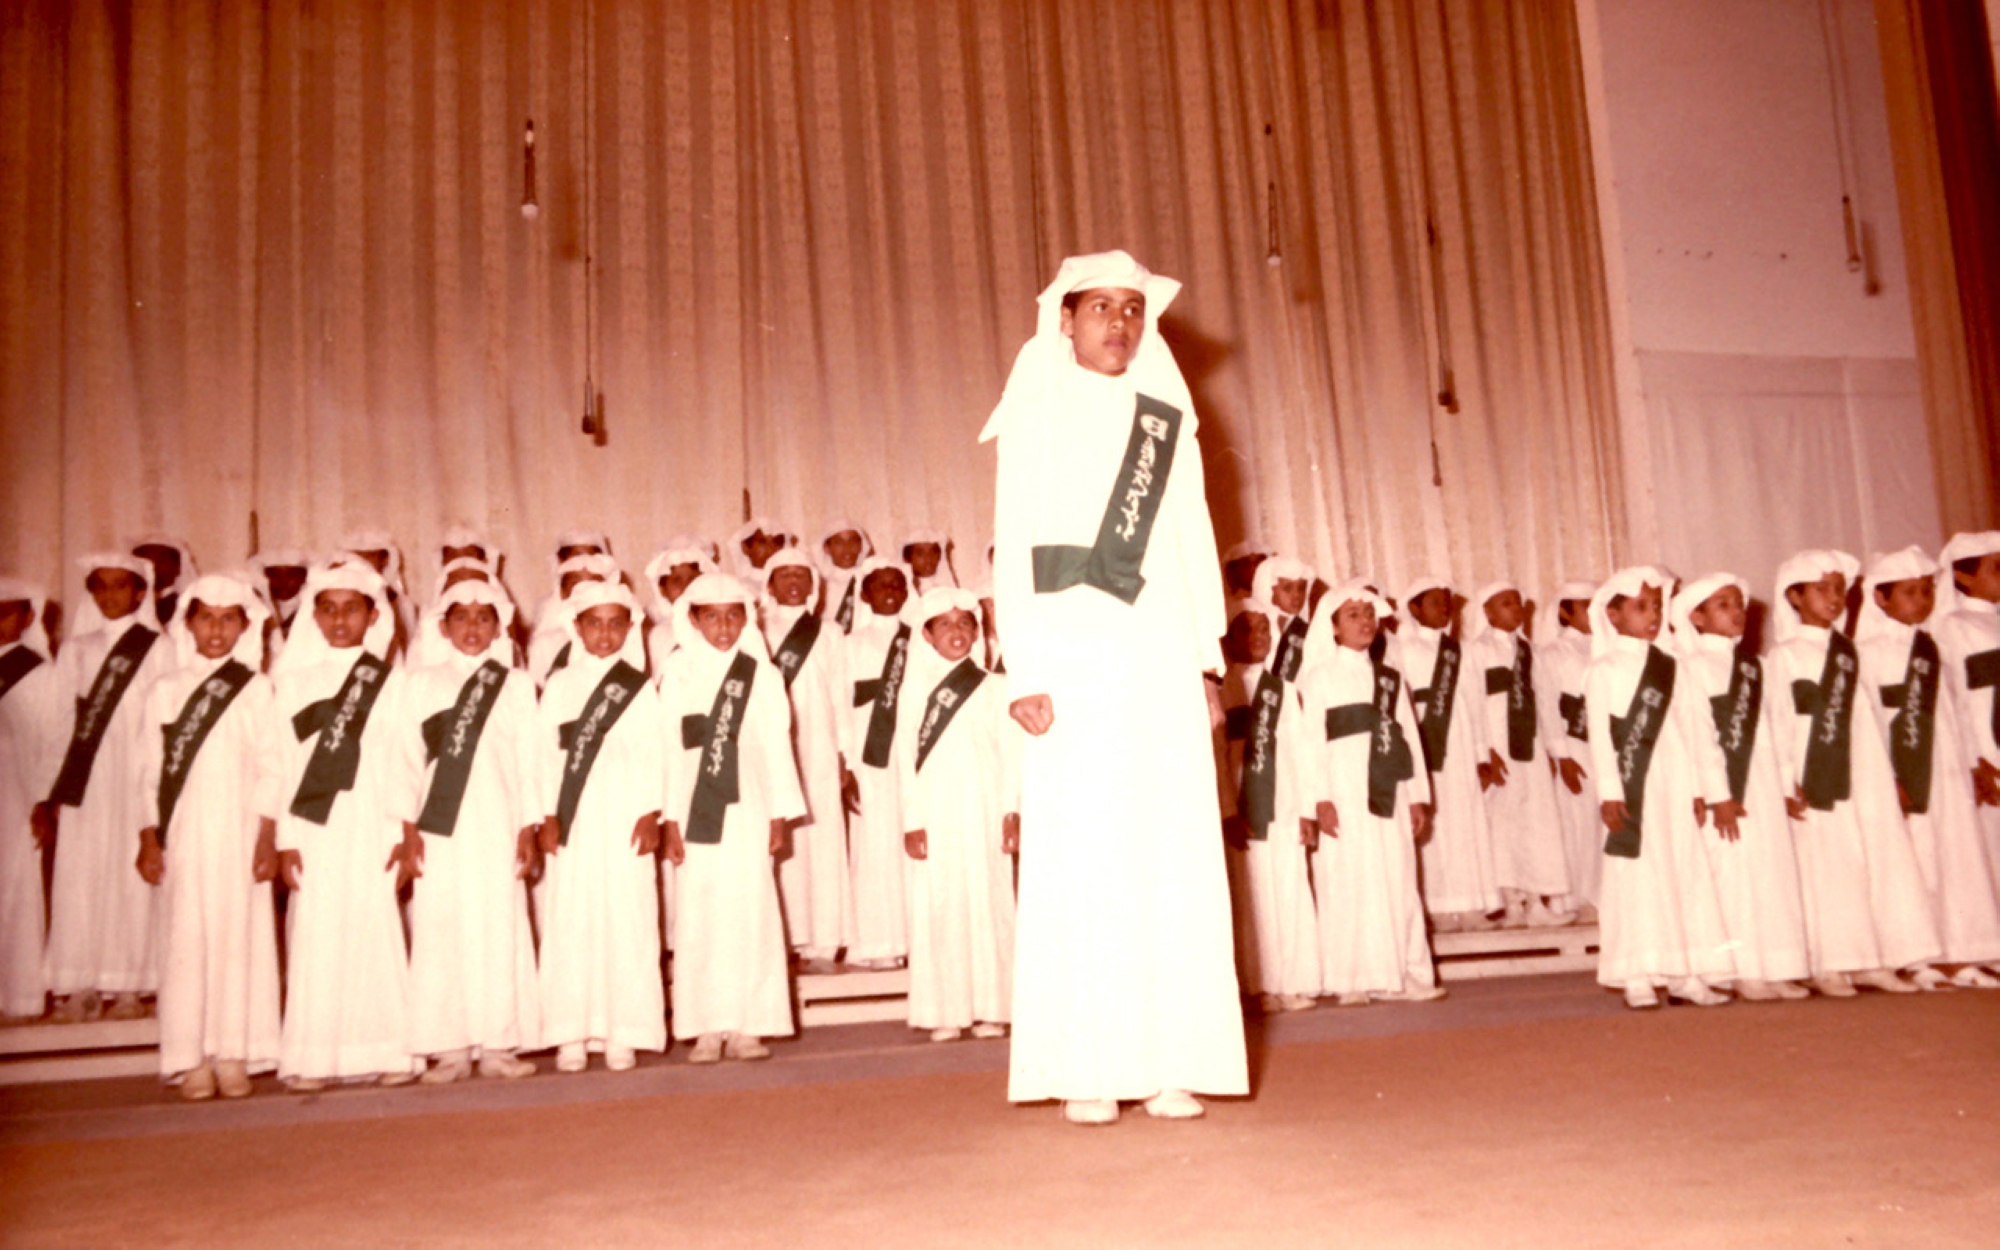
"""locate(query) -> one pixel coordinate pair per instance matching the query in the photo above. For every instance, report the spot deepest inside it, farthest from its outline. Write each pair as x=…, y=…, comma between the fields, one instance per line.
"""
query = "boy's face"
x=760, y=547
x=215, y=630
x=1983, y=582
x=571, y=580
x=285, y=581
x=677, y=579
x=1575, y=613
x=1249, y=638
x=1505, y=611
x=117, y=592
x=1105, y=328
x=953, y=633
x=378, y=558
x=1636, y=616
x=603, y=629
x=577, y=549
x=924, y=558
x=471, y=551
x=472, y=627
x=1240, y=574
x=1289, y=595
x=844, y=548
x=1723, y=614
x=720, y=623
x=791, y=585
x=343, y=617
x=885, y=590
x=166, y=562
x=456, y=576
x=1821, y=603
x=15, y=617
x=1432, y=609
x=1354, y=625
x=1907, y=602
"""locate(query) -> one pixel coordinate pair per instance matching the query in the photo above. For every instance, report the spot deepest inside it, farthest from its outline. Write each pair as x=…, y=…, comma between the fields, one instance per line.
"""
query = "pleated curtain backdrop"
x=267, y=260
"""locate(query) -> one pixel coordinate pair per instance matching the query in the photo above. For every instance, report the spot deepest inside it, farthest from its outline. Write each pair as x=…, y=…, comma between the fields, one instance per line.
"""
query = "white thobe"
x=875, y=835
x=1559, y=666
x=600, y=906
x=1974, y=630
x=1528, y=850
x=731, y=970
x=1277, y=933
x=472, y=951
x=813, y=880
x=1865, y=902
x=219, y=938
x=35, y=720
x=1458, y=869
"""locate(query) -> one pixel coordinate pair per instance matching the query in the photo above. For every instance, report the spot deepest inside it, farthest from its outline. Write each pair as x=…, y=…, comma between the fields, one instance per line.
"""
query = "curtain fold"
x=265, y=278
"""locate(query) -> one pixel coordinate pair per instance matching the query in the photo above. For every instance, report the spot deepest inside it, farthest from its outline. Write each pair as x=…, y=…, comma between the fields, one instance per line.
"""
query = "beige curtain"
x=266, y=260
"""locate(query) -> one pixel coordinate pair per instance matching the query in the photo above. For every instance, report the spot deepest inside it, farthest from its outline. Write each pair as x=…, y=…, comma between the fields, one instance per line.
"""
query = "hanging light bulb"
x=530, y=209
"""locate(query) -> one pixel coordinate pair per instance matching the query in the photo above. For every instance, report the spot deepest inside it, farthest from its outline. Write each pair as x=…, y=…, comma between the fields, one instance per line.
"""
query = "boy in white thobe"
x=102, y=921
x=732, y=794
x=1968, y=634
x=552, y=645
x=470, y=802
x=1460, y=886
x=1562, y=650
x=33, y=722
x=958, y=753
x=927, y=554
x=604, y=757
x=326, y=827
x=876, y=661
x=1372, y=943
x=219, y=953
x=841, y=552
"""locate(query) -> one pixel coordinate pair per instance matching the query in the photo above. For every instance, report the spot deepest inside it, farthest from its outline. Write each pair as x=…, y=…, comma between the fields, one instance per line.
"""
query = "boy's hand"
x=264, y=861
x=1217, y=718
x=1727, y=813
x=1986, y=784
x=1493, y=772
x=781, y=838
x=1572, y=775
x=646, y=835
x=1701, y=813
x=1010, y=834
x=1795, y=803
x=677, y=850
x=1236, y=832
x=1615, y=814
x=1420, y=822
x=42, y=822
x=1308, y=832
x=408, y=857
x=528, y=854
x=917, y=844
x=1328, y=818
x=1903, y=798
x=291, y=866
x=850, y=790
x=152, y=863
x=1037, y=712
x=550, y=835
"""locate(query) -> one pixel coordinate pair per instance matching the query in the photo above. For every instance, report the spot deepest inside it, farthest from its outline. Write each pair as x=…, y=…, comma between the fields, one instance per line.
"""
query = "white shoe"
x=1516, y=915
x=232, y=1078
x=1883, y=979
x=946, y=1034
x=304, y=1085
x=1973, y=977
x=198, y=1084
x=1834, y=985
x=572, y=1057
x=1541, y=916
x=1790, y=991
x=1695, y=990
x=1297, y=1002
x=1091, y=1111
x=1418, y=994
x=707, y=1049
x=1175, y=1104
x=1355, y=999
x=506, y=1065
x=746, y=1046
x=452, y=1066
x=1757, y=991
x=620, y=1058
x=986, y=1030
x=1932, y=979
x=1640, y=995
x=399, y=1077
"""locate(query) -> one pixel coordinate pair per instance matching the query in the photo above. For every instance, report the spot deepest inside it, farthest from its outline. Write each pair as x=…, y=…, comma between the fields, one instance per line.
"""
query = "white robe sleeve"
x=1194, y=545
x=1691, y=710
x=1019, y=485
x=767, y=747
x=1599, y=682
x=153, y=752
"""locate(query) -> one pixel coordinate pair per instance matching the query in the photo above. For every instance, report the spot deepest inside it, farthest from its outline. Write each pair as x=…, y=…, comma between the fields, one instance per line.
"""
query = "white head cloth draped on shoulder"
x=1801, y=569
x=1897, y=566
x=1680, y=615
x=221, y=590
x=1961, y=547
x=90, y=620
x=593, y=595
x=1625, y=583
x=306, y=645
x=483, y=593
x=1045, y=359
x=710, y=590
x=15, y=590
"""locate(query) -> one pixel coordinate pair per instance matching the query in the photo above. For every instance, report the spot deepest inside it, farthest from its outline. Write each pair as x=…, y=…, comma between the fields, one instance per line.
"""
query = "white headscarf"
x=828, y=569
x=946, y=575
x=1897, y=566
x=36, y=636
x=430, y=646
x=678, y=551
x=1281, y=569
x=590, y=595
x=378, y=540
x=263, y=562
x=1961, y=547
x=864, y=612
x=221, y=590
x=1626, y=583
x=500, y=650
x=927, y=666
x=1048, y=360
x=188, y=571
x=466, y=536
x=709, y=590
x=307, y=646
x=789, y=558
x=89, y=620
x=1320, y=640
x=1248, y=547
x=602, y=567
x=770, y=527
x=1680, y=615
x=1806, y=566
x=1548, y=617
x=1476, y=625
x=579, y=538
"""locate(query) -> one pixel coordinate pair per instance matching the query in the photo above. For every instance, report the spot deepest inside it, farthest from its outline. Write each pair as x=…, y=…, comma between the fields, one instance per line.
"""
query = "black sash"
x=883, y=692
x=560, y=663
x=1389, y=758
x=94, y=712
x=1633, y=736
x=1291, y=650
x=452, y=739
x=1518, y=684
x=950, y=695
x=582, y=738
x=797, y=646
x=1259, y=791
x=1575, y=721
x=1829, y=756
x=717, y=783
x=1914, y=727
x=1112, y=566
x=1736, y=719
x=204, y=707
x=1436, y=703
x=1982, y=671
x=339, y=722
x=15, y=665
x=843, y=616
x=1237, y=721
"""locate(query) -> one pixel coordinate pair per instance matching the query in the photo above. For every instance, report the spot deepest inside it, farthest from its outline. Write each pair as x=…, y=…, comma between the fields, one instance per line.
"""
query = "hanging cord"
x=1838, y=96
x=593, y=415
x=1447, y=396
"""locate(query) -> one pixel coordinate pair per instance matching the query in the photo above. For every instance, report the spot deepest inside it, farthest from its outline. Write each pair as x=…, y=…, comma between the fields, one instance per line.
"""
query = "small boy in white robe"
x=667, y=576
x=604, y=758
x=1461, y=889
x=1269, y=777
x=102, y=922
x=379, y=549
x=841, y=552
x=751, y=547
x=470, y=802
x=1529, y=859
x=876, y=661
x=548, y=615
x=173, y=569
x=219, y=951
x=1659, y=922
x=813, y=879
x=1867, y=912
x=1755, y=870
x=927, y=554
x=1372, y=943
x=552, y=645
x=732, y=794
x=281, y=576
x=958, y=752
x=1916, y=714
x=326, y=828
x=430, y=646
x=1968, y=634
x=1562, y=650
x=1286, y=585
x=34, y=718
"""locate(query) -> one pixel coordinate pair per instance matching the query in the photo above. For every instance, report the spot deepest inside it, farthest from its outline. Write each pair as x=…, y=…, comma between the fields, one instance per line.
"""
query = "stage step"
x=33, y=1054
x=1514, y=952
